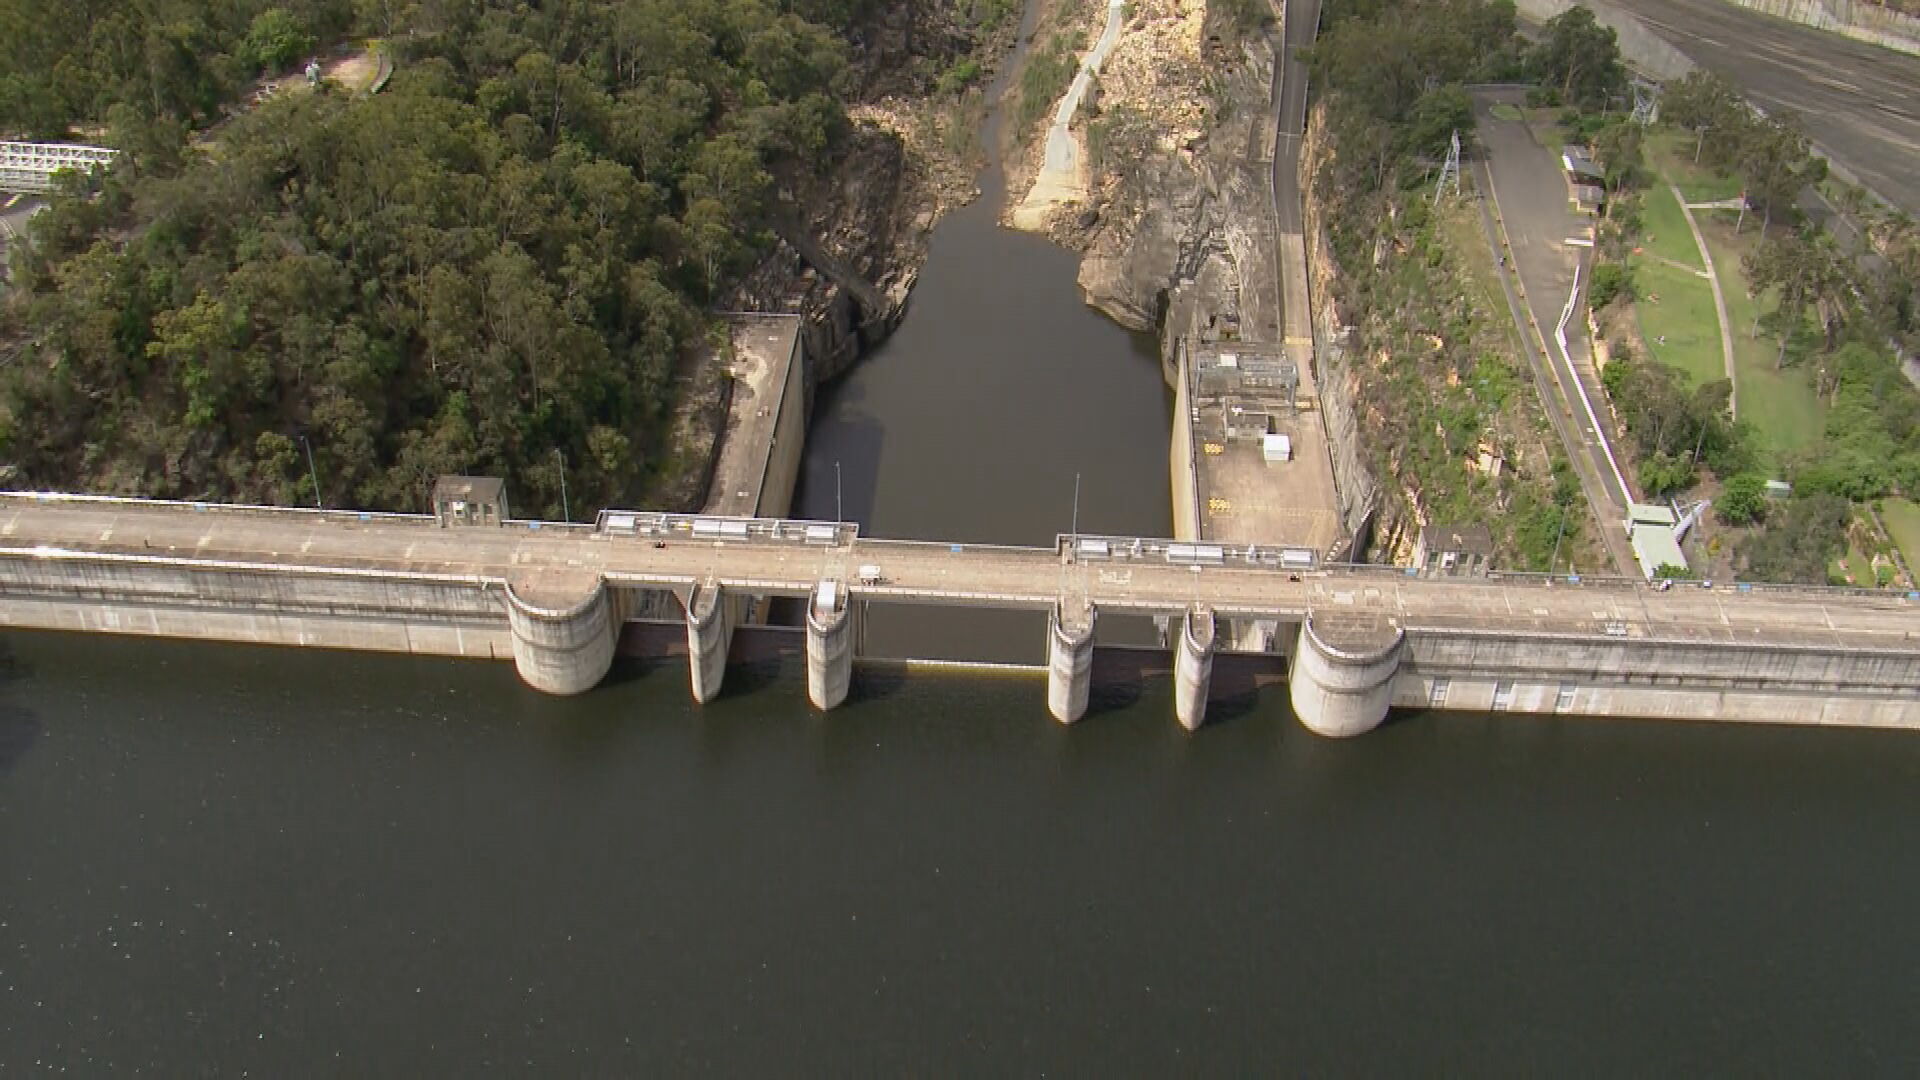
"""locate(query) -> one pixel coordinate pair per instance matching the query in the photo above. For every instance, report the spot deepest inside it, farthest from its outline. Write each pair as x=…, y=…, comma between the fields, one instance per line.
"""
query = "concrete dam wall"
x=1363, y=639
x=377, y=612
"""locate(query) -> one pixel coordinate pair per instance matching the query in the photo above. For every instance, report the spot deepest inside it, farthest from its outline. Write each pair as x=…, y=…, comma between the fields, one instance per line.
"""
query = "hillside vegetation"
x=491, y=267
x=1439, y=377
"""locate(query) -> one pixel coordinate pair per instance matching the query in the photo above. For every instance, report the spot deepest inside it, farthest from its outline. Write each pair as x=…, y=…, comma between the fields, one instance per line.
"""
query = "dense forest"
x=492, y=266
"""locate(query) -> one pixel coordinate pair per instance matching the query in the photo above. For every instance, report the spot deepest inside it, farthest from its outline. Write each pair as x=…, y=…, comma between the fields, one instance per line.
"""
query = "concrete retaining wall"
x=1641, y=47
x=1764, y=684
x=1849, y=18
x=1186, y=486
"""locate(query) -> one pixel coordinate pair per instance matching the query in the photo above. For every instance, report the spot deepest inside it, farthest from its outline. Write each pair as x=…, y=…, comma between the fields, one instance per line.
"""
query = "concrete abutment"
x=564, y=629
x=1341, y=682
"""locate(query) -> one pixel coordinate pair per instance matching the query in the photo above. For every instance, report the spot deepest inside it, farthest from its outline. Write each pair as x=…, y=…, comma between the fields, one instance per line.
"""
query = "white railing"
x=31, y=167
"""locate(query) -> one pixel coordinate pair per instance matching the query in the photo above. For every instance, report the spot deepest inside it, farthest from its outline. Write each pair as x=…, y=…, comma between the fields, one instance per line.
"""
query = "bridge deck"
x=915, y=572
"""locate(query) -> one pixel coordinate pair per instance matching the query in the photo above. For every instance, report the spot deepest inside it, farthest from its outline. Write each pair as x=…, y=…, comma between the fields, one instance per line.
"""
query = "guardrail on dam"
x=1360, y=639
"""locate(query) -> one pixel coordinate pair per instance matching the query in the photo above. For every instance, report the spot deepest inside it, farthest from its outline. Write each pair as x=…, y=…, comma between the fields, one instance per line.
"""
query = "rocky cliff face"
x=1182, y=239
x=1359, y=489
x=870, y=213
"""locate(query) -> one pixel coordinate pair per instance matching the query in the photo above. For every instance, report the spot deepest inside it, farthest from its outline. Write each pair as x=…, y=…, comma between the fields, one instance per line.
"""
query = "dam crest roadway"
x=552, y=597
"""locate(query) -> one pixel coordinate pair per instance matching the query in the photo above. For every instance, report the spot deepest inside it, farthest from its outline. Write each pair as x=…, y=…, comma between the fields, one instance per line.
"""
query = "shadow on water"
x=20, y=727
x=840, y=486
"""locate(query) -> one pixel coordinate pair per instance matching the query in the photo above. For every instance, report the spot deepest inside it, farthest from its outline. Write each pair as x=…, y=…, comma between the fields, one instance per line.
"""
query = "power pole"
x=565, y=511
x=1450, y=172
x=1646, y=104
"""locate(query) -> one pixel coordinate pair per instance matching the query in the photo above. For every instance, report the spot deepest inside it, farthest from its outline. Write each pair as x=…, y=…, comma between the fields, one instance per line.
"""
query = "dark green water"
x=223, y=859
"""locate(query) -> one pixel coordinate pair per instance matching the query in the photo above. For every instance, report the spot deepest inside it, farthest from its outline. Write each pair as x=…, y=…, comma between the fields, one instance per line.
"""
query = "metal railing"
x=1068, y=547
x=31, y=167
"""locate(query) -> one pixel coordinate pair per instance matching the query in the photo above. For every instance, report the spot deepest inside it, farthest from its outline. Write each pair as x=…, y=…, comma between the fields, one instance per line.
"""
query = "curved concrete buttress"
x=1069, y=661
x=1193, y=667
x=830, y=637
x=564, y=630
x=1342, y=677
x=709, y=632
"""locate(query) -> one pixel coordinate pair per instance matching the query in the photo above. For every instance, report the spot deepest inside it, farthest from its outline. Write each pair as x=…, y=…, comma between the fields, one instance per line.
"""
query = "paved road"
x=1033, y=578
x=1860, y=103
x=1553, y=400
x=1525, y=185
x=15, y=210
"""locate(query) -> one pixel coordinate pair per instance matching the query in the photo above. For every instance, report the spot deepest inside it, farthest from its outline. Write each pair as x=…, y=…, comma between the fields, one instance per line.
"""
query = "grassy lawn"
x=1467, y=238
x=1902, y=519
x=1781, y=405
x=1507, y=112
x=1857, y=565
x=1671, y=153
x=1677, y=306
x=1663, y=230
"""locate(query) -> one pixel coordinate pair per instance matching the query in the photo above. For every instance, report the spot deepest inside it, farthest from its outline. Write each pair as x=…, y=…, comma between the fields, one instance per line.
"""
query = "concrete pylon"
x=710, y=619
x=1341, y=681
x=1069, y=659
x=830, y=640
x=1193, y=666
x=564, y=630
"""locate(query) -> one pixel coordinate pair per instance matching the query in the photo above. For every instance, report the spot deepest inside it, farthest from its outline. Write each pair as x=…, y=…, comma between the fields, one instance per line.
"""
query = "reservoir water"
x=227, y=860
x=273, y=862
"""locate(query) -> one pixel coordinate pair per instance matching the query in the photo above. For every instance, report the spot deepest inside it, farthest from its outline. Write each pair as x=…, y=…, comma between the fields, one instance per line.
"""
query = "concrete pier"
x=1343, y=671
x=710, y=622
x=563, y=627
x=830, y=638
x=1193, y=667
x=1069, y=659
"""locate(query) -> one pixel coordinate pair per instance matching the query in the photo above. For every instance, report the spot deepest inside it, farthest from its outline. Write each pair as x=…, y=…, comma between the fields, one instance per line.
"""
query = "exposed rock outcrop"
x=1184, y=241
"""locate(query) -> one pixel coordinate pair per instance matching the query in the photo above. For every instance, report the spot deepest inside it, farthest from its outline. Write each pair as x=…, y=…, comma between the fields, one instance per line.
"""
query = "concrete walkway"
x=1719, y=300
x=1062, y=176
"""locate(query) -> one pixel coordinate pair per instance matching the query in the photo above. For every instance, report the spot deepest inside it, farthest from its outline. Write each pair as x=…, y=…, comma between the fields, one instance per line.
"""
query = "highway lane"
x=308, y=542
x=1859, y=103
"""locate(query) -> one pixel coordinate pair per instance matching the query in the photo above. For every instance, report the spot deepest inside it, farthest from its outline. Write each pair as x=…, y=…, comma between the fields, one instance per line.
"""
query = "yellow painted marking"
x=1299, y=341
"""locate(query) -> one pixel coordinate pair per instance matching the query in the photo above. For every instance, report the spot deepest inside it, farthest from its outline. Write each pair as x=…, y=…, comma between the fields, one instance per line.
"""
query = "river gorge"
x=293, y=862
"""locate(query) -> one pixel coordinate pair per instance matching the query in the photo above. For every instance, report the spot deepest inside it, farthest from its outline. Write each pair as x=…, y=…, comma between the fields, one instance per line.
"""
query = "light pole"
x=1075, y=533
x=839, y=508
x=314, y=473
x=562, y=459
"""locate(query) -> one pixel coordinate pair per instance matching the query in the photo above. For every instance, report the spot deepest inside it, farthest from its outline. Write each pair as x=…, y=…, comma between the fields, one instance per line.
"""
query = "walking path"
x=1061, y=178
x=1719, y=299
